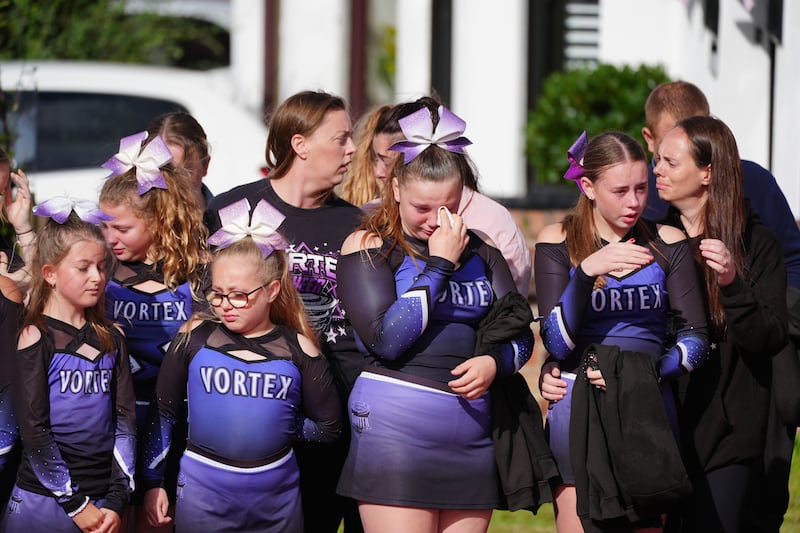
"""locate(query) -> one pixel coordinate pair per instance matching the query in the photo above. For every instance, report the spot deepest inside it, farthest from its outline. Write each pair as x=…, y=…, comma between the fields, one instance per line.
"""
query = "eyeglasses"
x=237, y=299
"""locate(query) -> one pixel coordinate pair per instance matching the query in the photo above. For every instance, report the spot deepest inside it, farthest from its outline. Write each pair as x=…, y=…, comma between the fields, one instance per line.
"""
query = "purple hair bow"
x=148, y=161
x=262, y=227
x=419, y=135
x=59, y=207
x=575, y=155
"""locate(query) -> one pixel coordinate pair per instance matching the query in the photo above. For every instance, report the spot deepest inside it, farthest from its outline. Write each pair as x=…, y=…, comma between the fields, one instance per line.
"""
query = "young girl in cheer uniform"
x=606, y=276
x=73, y=392
x=416, y=285
x=157, y=236
x=255, y=383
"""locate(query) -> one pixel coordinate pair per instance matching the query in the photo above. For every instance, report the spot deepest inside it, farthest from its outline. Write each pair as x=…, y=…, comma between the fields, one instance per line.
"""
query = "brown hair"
x=603, y=152
x=182, y=129
x=174, y=220
x=724, y=217
x=54, y=242
x=680, y=99
x=288, y=308
x=300, y=114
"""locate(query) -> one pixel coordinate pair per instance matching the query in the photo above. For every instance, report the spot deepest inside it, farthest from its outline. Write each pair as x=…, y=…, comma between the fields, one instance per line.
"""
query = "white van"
x=69, y=116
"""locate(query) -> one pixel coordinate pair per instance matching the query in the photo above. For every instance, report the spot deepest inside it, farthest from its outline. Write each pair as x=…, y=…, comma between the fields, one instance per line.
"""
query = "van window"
x=66, y=130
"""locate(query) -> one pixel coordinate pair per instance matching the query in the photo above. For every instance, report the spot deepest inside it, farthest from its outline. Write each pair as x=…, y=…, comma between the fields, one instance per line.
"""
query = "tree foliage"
x=98, y=30
x=595, y=99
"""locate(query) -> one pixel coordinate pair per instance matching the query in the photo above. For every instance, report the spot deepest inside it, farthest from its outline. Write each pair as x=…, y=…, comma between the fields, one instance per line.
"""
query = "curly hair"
x=174, y=222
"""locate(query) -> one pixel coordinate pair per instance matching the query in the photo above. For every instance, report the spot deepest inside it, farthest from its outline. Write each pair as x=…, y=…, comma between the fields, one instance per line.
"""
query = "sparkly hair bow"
x=59, y=207
x=419, y=134
x=575, y=156
x=262, y=226
x=148, y=161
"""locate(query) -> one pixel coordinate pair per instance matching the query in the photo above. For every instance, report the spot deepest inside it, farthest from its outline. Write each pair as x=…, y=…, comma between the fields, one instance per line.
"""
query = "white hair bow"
x=262, y=226
x=148, y=161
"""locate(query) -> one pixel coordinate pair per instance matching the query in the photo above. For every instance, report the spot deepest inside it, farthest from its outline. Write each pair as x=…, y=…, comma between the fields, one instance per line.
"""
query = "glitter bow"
x=419, y=134
x=575, y=156
x=262, y=226
x=59, y=207
x=148, y=161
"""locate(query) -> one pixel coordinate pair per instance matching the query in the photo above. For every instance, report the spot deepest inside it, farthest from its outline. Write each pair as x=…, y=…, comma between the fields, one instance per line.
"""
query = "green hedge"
x=593, y=99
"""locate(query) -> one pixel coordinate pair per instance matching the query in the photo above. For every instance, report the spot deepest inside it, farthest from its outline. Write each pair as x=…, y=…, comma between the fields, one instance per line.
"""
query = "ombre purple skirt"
x=415, y=445
x=222, y=498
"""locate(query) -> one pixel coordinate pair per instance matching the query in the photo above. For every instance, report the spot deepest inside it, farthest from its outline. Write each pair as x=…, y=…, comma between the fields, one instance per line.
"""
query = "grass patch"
x=524, y=521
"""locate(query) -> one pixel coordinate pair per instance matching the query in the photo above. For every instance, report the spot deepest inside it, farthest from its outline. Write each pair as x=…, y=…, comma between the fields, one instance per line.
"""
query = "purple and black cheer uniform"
x=414, y=442
x=656, y=309
x=150, y=315
x=9, y=323
x=10, y=314
x=249, y=399
x=315, y=238
x=75, y=408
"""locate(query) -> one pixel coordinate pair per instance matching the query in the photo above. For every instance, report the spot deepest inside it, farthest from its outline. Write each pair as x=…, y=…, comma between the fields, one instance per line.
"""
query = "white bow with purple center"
x=419, y=134
x=262, y=226
x=59, y=207
x=148, y=161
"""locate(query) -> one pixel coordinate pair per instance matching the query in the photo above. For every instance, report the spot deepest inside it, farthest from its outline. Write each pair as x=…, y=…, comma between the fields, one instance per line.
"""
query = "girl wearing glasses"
x=309, y=150
x=245, y=372
x=154, y=236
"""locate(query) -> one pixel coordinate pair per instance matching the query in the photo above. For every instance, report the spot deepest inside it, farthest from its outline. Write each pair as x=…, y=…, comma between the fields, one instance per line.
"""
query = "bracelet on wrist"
x=30, y=242
x=24, y=232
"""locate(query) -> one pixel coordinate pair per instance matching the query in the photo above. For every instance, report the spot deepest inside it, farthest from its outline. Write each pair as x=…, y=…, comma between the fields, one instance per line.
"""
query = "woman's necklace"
x=693, y=225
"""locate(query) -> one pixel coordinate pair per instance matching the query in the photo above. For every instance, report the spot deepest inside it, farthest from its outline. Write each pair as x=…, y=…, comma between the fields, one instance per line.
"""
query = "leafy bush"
x=101, y=30
x=593, y=99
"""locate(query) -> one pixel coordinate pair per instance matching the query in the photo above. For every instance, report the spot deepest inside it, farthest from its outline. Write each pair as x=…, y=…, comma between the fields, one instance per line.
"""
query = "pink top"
x=492, y=220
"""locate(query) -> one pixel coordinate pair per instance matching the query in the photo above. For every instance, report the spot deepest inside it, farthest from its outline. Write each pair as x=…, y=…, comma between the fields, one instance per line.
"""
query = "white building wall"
x=247, y=52
x=672, y=33
x=735, y=78
x=630, y=32
x=740, y=92
x=489, y=89
x=314, y=49
x=413, y=49
x=787, y=107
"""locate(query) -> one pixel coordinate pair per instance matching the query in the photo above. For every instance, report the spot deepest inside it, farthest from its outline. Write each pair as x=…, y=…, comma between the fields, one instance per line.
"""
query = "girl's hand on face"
x=719, y=259
x=450, y=238
x=615, y=258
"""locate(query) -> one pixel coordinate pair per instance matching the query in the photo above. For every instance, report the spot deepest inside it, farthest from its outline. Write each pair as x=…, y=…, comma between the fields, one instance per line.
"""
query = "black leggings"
x=718, y=499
